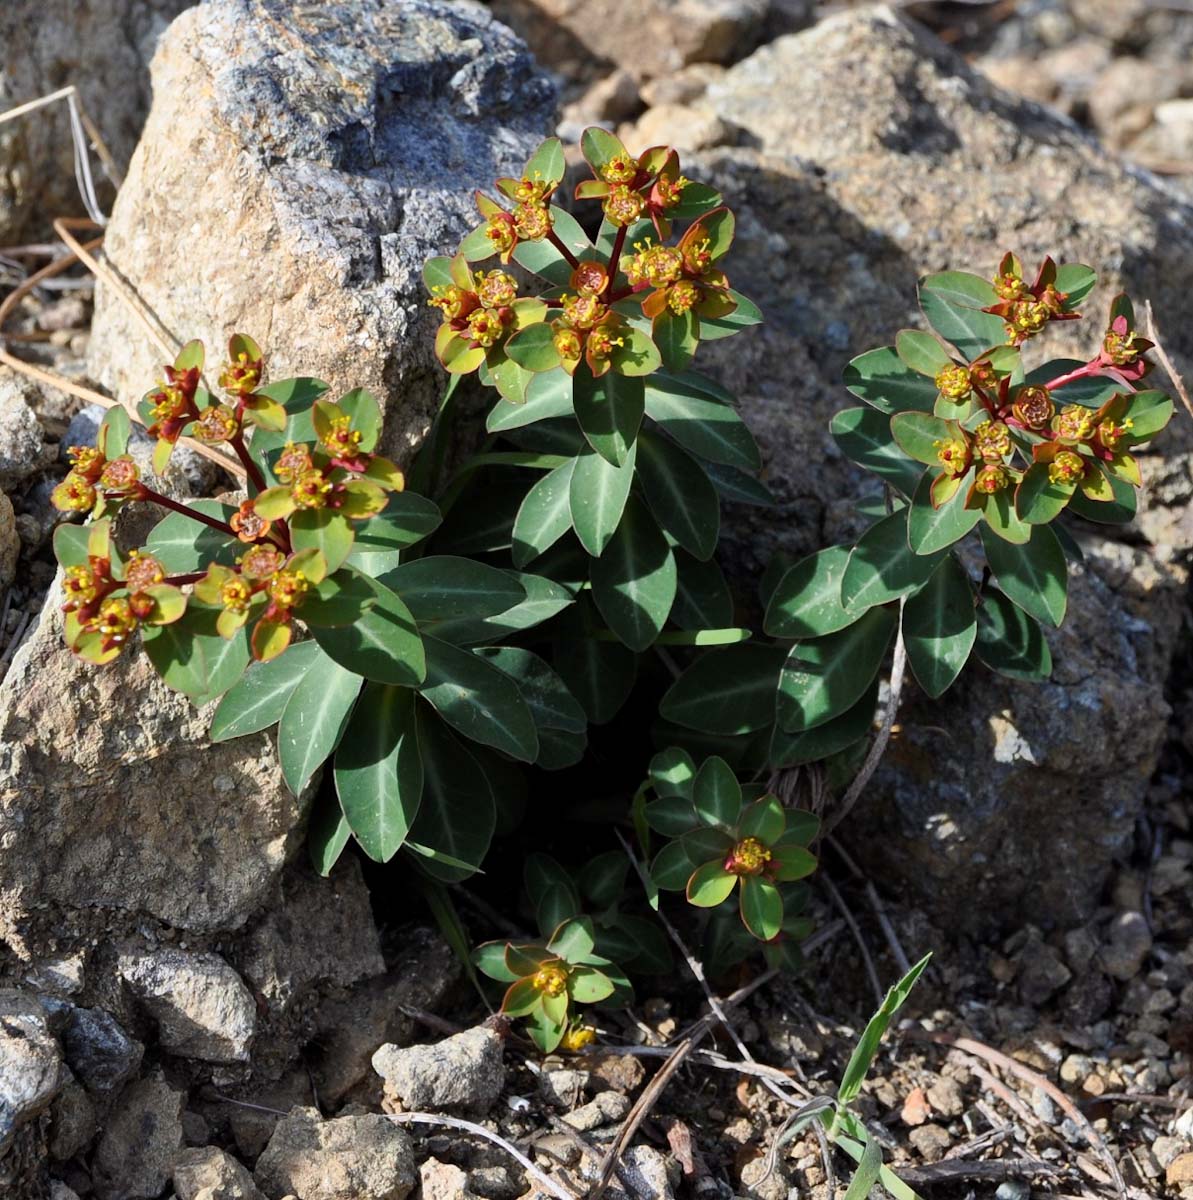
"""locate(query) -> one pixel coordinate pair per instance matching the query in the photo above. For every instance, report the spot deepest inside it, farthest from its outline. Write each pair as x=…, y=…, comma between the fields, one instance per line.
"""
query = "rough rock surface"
x=208, y=1173
x=24, y=448
x=10, y=542
x=214, y=824
x=136, y=1154
x=101, y=48
x=30, y=1063
x=202, y=1008
x=920, y=164
x=99, y=1051
x=463, y=1071
x=359, y=1157
x=352, y=137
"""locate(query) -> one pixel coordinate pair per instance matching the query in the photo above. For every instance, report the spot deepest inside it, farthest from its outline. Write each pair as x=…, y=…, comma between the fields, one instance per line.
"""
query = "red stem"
x=1093, y=367
x=555, y=241
x=144, y=493
x=181, y=580
x=251, y=468
x=615, y=257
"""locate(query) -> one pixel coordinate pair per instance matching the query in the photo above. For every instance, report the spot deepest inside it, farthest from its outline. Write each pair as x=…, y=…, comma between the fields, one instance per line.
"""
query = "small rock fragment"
x=441, y=1181
x=648, y=1173
x=24, y=449
x=462, y=1071
x=915, y=1108
x=563, y=1088
x=30, y=1063
x=209, y=1173
x=140, y=1142
x=201, y=1005
x=10, y=543
x=946, y=1098
x=605, y=1108
x=363, y=1157
x=72, y=1119
x=1130, y=942
x=98, y=1051
x=930, y=1140
x=1180, y=1171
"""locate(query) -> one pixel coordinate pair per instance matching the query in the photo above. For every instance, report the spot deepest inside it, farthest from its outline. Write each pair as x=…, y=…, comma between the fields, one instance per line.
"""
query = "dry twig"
x=1153, y=335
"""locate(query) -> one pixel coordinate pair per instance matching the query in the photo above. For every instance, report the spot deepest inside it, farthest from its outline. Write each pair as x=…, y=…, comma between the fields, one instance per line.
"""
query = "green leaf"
x=458, y=815
x=825, y=676
x=574, y=940
x=1076, y=281
x=182, y=545
x=314, y=719
x=1009, y=641
x=921, y=352
x=1037, y=499
x=867, y=1173
x=716, y=794
x=364, y=411
x=710, y=885
x=117, y=427
x=952, y=301
x=1035, y=576
x=939, y=627
x=597, y=498
x=694, y=411
x=1149, y=412
x=177, y=656
x=534, y=348
x=226, y=660
x=676, y=337
x=679, y=493
x=884, y=381
x=259, y=699
x=545, y=515
x=546, y=162
x=1118, y=511
x=379, y=541
x=599, y=146
x=633, y=581
x=761, y=907
x=70, y=544
x=864, y=437
x=544, y=258
x=323, y=530
x=383, y=645
x=672, y=867
x=478, y=700
x=327, y=834
x=883, y=567
x=599, y=674
x=548, y=395
x=437, y=272
x=737, y=486
x=792, y=750
x=918, y=433
x=672, y=773
x=294, y=395
x=378, y=771
x=551, y=704
x=442, y=587
x=807, y=600
x=702, y=597
x=609, y=411
x=727, y=691
x=932, y=529
x=867, y=1047
x=544, y=600
x=746, y=313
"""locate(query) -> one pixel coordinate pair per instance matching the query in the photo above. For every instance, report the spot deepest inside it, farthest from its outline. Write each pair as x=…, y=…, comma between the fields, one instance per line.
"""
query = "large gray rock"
x=1002, y=799
x=361, y=1157
x=208, y=1173
x=463, y=1071
x=322, y=160
x=202, y=1008
x=30, y=1063
x=24, y=447
x=112, y=801
x=102, y=48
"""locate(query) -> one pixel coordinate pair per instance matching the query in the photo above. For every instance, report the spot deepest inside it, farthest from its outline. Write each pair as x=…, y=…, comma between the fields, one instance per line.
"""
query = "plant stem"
x=1090, y=368
x=251, y=469
x=145, y=493
x=615, y=257
x=557, y=242
x=181, y=580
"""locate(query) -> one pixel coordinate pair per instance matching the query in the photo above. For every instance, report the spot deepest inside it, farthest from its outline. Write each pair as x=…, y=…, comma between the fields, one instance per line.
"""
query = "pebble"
x=931, y=1141
x=1180, y=1171
x=1130, y=942
x=604, y=1109
x=463, y=1071
x=946, y=1097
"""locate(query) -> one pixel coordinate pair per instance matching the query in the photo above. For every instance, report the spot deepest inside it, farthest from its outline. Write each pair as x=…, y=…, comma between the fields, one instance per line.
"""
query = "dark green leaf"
x=728, y=691
x=864, y=437
x=932, y=529
x=442, y=587
x=383, y=645
x=597, y=497
x=679, y=493
x=807, y=600
x=939, y=627
x=545, y=515
x=1009, y=641
x=883, y=380
x=702, y=597
x=314, y=719
x=633, y=582
x=545, y=693
x=1035, y=576
x=812, y=745
x=695, y=413
x=609, y=411
x=882, y=566
x=952, y=301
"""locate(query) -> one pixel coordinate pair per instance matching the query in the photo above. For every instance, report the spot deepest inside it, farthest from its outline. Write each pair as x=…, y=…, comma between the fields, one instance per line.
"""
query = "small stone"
x=1130, y=942
x=689, y=128
x=494, y=1183
x=648, y=1173
x=1180, y=1171
x=442, y=1181
x=1075, y=1068
x=209, y=1173
x=1041, y=973
x=202, y=1007
x=1080, y=947
x=915, y=1108
x=946, y=1098
x=1013, y=1189
x=620, y=1072
x=604, y=1109
x=30, y=1063
x=98, y=1050
x=24, y=450
x=563, y=1088
x=931, y=1141
x=72, y=1119
x=463, y=1071
x=140, y=1142
x=363, y=1157
x=59, y=973
x=1168, y=1149
x=195, y=1130
x=10, y=543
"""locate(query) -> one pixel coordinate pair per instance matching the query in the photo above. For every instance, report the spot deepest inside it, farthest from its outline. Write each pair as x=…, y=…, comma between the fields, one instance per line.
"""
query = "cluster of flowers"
x=106, y=600
x=592, y=319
